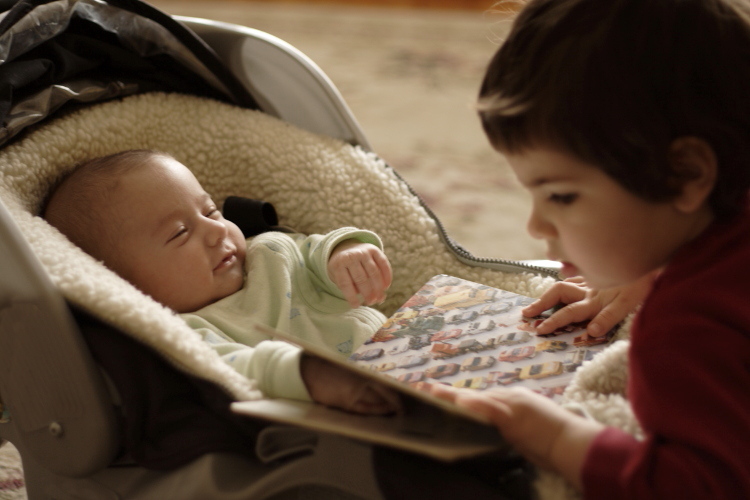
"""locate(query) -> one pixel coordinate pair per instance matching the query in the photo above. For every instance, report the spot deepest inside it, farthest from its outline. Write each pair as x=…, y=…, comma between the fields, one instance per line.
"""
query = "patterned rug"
x=411, y=78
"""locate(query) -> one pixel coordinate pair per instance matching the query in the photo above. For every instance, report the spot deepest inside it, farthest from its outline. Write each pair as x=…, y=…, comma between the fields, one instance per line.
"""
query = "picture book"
x=451, y=331
x=464, y=334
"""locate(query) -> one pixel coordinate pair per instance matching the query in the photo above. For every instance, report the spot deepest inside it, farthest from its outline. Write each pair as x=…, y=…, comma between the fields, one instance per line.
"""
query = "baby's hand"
x=540, y=429
x=361, y=271
x=331, y=385
x=605, y=308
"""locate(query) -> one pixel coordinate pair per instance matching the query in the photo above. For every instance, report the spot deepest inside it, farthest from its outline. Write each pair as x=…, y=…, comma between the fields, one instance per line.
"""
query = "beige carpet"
x=410, y=78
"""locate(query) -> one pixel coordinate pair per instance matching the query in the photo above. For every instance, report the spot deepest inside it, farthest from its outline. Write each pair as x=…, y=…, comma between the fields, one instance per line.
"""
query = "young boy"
x=147, y=218
x=629, y=123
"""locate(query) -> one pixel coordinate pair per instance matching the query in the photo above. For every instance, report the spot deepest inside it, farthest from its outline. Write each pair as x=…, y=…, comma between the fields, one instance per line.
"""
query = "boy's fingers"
x=572, y=313
x=606, y=320
x=561, y=292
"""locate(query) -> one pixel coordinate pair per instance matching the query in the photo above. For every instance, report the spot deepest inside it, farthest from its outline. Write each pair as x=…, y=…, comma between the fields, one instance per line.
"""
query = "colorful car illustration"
x=551, y=346
x=462, y=317
x=398, y=348
x=504, y=378
x=512, y=338
x=446, y=335
x=367, y=355
x=383, y=367
x=551, y=392
x=418, y=300
x=586, y=340
x=575, y=358
x=413, y=360
x=541, y=370
x=472, y=383
x=440, y=371
x=496, y=308
x=411, y=377
x=417, y=342
x=477, y=363
x=466, y=298
x=481, y=326
x=443, y=350
x=403, y=315
x=517, y=354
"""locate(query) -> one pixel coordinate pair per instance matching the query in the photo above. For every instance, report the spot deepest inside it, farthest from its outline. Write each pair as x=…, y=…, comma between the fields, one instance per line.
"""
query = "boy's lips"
x=569, y=270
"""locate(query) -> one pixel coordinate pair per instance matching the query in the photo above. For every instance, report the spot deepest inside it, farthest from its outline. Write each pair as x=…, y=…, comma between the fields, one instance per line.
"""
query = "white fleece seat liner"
x=316, y=184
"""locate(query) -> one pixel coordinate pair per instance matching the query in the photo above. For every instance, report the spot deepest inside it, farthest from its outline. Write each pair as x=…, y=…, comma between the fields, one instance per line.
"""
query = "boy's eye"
x=213, y=213
x=563, y=198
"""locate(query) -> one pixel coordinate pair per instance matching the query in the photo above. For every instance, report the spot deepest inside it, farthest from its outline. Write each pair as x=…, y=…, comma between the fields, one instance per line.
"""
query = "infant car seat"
x=251, y=116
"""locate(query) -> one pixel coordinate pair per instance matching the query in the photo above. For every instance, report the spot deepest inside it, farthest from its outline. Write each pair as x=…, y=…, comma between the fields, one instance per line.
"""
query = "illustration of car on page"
x=517, y=354
x=551, y=346
x=541, y=370
x=440, y=371
x=512, y=338
x=413, y=360
x=383, y=367
x=504, y=378
x=411, y=377
x=481, y=326
x=446, y=335
x=367, y=355
x=477, y=363
x=472, y=383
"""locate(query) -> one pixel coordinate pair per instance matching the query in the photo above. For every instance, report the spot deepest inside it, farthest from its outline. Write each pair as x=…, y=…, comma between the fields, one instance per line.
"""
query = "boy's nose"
x=538, y=227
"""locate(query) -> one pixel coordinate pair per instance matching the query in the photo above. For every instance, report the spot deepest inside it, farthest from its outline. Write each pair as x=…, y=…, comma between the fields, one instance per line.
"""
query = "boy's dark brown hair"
x=614, y=82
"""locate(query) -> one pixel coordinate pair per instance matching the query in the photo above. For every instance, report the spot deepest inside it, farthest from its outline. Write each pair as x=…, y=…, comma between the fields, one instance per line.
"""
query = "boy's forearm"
x=569, y=450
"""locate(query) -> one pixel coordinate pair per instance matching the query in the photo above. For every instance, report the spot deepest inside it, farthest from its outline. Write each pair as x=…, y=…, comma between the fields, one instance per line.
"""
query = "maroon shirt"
x=689, y=381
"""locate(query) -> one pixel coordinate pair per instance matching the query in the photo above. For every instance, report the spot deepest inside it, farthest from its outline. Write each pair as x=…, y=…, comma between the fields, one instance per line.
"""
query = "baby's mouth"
x=226, y=262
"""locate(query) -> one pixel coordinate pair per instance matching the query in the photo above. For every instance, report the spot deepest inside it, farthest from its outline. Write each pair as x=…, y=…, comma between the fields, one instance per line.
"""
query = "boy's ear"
x=694, y=166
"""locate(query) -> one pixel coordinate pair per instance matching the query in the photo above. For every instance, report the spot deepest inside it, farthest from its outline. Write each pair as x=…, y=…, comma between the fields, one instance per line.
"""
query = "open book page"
x=426, y=425
x=452, y=331
x=461, y=333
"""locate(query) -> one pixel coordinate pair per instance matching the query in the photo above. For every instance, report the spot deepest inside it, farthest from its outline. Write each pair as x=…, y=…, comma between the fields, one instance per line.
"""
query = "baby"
x=146, y=217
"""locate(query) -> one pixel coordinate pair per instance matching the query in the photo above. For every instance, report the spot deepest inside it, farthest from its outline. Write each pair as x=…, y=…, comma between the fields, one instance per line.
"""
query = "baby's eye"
x=180, y=232
x=563, y=198
x=213, y=213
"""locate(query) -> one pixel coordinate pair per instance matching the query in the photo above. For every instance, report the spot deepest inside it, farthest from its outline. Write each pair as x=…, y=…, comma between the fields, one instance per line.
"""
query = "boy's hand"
x=361, y=271
x=541, y=430
x=331, y=385
x=605, y=308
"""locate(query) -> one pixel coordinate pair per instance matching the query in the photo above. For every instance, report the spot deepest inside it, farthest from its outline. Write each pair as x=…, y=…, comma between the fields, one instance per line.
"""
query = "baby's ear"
x=694, y=167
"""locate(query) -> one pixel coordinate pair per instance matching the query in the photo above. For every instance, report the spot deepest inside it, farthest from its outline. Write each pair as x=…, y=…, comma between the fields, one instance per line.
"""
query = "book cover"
x=451, y=331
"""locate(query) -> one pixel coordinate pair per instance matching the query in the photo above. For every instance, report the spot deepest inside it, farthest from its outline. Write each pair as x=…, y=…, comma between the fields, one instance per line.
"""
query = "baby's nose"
x=216, y=232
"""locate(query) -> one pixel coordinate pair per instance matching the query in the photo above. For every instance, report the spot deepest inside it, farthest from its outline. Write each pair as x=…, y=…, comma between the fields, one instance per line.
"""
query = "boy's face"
x=595, y=227
x=170, y=240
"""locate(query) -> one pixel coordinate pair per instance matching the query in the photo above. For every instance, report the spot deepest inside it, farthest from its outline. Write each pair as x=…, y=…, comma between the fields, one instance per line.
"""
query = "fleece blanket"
x=316, y=184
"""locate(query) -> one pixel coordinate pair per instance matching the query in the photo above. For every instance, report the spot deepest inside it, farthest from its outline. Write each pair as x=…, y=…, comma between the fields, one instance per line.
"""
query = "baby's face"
x=170, y=240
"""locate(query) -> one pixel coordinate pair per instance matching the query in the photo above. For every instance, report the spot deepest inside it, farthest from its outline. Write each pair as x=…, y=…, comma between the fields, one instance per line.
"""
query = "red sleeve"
x=690, y=389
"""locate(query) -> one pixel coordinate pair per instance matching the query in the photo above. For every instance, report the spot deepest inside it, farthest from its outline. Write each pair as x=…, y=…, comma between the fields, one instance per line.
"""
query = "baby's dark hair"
x=615, y=82
x=74, y=204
